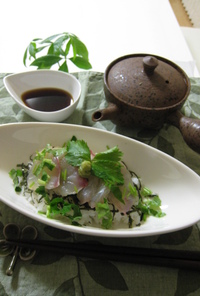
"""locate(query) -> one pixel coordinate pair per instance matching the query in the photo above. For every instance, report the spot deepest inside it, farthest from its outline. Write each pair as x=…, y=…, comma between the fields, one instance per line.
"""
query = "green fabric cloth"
x=58, y=274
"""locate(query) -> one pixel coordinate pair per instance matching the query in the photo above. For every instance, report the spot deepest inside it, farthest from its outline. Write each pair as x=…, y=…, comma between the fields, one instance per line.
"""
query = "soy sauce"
x=47, y=99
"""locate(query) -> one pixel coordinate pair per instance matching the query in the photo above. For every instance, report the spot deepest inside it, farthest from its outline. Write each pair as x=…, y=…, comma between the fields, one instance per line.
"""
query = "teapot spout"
x=107, y=113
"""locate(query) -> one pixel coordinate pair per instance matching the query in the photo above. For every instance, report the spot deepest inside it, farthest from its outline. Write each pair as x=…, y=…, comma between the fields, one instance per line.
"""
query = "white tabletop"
x=109, y=28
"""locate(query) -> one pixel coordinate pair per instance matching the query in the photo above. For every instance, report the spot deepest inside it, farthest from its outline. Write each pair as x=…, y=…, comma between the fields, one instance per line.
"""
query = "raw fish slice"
x=73, y=183
x=122, y=208
x=129, y=200
x=95, y=192
x=54, y=180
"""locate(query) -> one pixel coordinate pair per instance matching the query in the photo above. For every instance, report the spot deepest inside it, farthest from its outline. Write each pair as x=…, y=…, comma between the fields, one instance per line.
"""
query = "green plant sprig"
x=58, y=48
x=105, y=165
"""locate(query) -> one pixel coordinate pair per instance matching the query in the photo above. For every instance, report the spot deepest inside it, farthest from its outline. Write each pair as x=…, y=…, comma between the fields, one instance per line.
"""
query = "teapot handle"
x=189, y=128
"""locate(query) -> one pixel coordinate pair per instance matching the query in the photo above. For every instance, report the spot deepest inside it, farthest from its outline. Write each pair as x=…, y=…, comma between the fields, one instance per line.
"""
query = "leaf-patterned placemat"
x=58, y=274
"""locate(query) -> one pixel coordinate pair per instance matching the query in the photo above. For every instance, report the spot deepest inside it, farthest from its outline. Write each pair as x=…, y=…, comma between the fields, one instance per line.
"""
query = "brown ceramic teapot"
x=147, y=91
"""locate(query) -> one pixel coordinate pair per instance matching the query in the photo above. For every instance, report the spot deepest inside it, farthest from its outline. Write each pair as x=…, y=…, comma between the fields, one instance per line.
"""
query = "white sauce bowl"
x=17, y=84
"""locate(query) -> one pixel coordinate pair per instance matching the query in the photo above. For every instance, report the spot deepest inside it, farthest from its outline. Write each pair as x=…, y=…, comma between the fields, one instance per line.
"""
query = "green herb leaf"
x=60, y=207
x=112, y=154
x=106, y=165
x=77, y=152
x=150, y=207
x=105, y=214
x=56, y=207
x=41, y=191
x=77, y=213
x=117, y=192
x=109, y=171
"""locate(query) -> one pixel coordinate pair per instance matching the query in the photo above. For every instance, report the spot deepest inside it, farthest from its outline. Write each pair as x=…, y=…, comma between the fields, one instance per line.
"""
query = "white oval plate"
x=177, y=185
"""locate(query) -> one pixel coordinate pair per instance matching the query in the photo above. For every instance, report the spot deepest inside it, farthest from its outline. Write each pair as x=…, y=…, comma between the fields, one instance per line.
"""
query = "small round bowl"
x=17, y=84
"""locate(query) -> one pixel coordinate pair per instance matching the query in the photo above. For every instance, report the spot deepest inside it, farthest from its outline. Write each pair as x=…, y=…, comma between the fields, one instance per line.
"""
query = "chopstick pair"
x=157, y=257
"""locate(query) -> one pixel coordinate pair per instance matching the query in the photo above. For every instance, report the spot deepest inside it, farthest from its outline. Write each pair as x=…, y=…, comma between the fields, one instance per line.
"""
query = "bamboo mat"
x=193, y=10
x=187, y=12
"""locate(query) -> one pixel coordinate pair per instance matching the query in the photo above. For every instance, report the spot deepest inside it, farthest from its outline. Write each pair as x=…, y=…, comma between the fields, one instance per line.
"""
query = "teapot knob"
x=149, y=64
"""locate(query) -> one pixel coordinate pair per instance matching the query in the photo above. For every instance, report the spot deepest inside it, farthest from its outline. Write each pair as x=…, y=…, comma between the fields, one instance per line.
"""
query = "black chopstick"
x=157, y=257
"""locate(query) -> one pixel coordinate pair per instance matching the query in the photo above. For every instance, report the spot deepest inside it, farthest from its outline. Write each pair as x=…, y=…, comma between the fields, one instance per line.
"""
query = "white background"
x=109, y=28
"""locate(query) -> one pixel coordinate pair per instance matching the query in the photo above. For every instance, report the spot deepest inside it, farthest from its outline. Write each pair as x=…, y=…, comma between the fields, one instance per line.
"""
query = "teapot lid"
x=148, y=81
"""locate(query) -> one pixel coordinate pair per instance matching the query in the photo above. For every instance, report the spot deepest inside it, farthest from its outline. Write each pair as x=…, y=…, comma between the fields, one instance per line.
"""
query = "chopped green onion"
x=133, y=190
x=44, y=179
x=49, y=164
x=15, y=175
x=32, y=184
x=45, y=163
x=64, y=175
x=105, y=214
x=146, y=191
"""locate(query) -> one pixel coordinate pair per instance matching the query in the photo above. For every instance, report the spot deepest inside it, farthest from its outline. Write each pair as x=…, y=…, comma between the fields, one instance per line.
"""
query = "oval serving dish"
x=177, y=185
